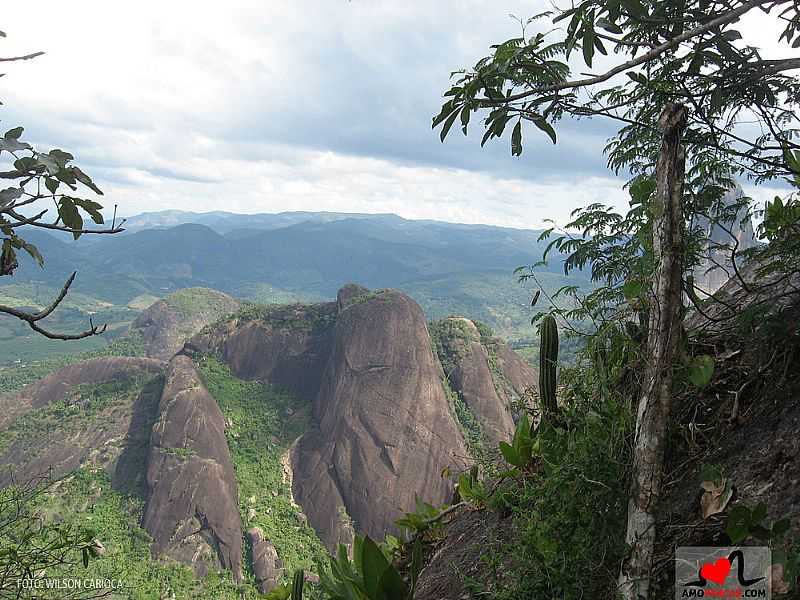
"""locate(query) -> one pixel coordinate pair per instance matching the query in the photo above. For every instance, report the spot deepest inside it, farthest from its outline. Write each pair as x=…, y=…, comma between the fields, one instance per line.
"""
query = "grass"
x=265, y=423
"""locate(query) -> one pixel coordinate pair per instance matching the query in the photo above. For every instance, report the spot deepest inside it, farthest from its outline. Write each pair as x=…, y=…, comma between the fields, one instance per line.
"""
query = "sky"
x=286, y=105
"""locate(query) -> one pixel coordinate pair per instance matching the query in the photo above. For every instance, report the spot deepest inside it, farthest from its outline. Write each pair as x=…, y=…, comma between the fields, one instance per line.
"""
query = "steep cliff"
x=486, y=374
x=94, y=412
x=285, y=345
x=193, y=509
x=384, y=430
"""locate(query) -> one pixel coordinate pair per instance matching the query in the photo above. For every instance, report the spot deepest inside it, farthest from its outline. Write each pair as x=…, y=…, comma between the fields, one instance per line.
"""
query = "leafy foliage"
x=369, y=576
x=264, y=423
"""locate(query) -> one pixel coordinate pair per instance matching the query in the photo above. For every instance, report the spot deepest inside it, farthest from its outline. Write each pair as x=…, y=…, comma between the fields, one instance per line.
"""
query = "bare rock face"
x=384, y=429
x=516, y=377
x=168, y=323
x=193, y=510
x=116, y=439
x=470, y=376
x=267, y=567
x=288, y=347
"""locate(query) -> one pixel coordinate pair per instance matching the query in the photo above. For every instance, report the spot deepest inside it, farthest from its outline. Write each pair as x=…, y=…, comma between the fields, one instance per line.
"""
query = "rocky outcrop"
x=107, y=428
x=469, y=375
x=192, y=512
x=484, y=372
x=733, y=230
x=518, y=374
x=384, y=429
x=267, y=567
x=168, y=323
x=59, y=384
x=288, y=346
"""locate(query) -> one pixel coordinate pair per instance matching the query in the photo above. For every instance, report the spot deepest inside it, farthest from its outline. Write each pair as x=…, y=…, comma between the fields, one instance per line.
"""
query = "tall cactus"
x=297, y=585
x=548, y=359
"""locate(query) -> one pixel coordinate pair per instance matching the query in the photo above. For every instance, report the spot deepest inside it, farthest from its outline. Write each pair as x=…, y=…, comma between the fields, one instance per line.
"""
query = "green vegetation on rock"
x=77, y=412
x=295, y=317
x=263, y=423
x=85, y=499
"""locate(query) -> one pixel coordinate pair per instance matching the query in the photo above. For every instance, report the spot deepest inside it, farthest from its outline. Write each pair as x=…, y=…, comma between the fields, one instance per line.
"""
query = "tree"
x=32, y=546
x=37, y=178
x=685, y=88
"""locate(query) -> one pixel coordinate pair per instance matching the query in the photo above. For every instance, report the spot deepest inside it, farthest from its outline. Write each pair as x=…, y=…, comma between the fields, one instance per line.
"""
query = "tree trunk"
x=662, y=339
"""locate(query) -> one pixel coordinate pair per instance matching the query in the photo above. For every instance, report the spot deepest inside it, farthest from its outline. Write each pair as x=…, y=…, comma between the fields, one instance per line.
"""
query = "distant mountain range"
x=448, y=268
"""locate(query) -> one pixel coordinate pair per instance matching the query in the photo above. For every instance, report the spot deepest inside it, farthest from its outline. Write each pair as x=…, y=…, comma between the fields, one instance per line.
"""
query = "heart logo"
x=717, y=571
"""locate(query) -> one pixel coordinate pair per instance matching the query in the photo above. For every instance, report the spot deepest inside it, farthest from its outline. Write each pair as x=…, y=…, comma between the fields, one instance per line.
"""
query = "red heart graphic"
x=717, y=571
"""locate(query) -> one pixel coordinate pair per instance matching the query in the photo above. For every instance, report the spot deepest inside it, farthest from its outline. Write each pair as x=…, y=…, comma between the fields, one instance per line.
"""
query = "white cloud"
x=286, y=105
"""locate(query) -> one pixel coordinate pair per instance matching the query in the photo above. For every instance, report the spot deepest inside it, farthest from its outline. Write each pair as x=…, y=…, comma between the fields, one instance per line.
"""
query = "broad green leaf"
x=70, y=216
x=701, y=370
x=546, y=127
x=374, y=565
x=608, y=25
x=510, y=454
x=632, y=290
x=14, y=134
x=588, y=45
x=8, y=195
x=516, y=139
x=13, y=145
x=447, y=125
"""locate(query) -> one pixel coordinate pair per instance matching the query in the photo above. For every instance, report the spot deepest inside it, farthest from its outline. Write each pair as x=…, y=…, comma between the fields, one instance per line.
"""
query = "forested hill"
x=448, y=268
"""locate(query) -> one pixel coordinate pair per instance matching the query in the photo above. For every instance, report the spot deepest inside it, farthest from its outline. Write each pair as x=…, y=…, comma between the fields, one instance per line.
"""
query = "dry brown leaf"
x=779, y=586
x=716, y=496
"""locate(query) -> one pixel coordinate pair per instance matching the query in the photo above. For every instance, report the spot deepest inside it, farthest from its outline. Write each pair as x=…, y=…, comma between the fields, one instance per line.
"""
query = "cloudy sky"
x=287, y=105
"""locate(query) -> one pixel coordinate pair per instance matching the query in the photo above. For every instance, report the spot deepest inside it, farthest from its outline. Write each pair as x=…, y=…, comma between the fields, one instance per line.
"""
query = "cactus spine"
x=297, y=585
x=548, y=359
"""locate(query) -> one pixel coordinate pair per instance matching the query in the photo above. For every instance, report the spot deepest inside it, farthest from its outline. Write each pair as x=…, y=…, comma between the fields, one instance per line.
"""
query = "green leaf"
x=51, y=184
x=510, y=454
x=465, y=113
x=91, y=207
x=516, y=139
x=70, y=216
x=374, y=565
x=634, y=8
x=701, y=370
x=447, y=125
x=13, y=145
x=759, y=513
x=49, y=163
x=8, y=195
x=14, y=134
x=392, y=586
x=608, y=25
x=632, y=290
x=546, y=127
x=588, y=45
x=780, y=527
x=33, y=251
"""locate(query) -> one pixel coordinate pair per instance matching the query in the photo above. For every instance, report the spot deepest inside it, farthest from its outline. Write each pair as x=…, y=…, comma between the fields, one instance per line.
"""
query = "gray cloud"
x=287, y=105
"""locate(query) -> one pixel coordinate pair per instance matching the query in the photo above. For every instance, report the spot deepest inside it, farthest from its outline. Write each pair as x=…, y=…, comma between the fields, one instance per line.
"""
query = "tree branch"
x=32, y=319
x=26, y=57
x=644, y=58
